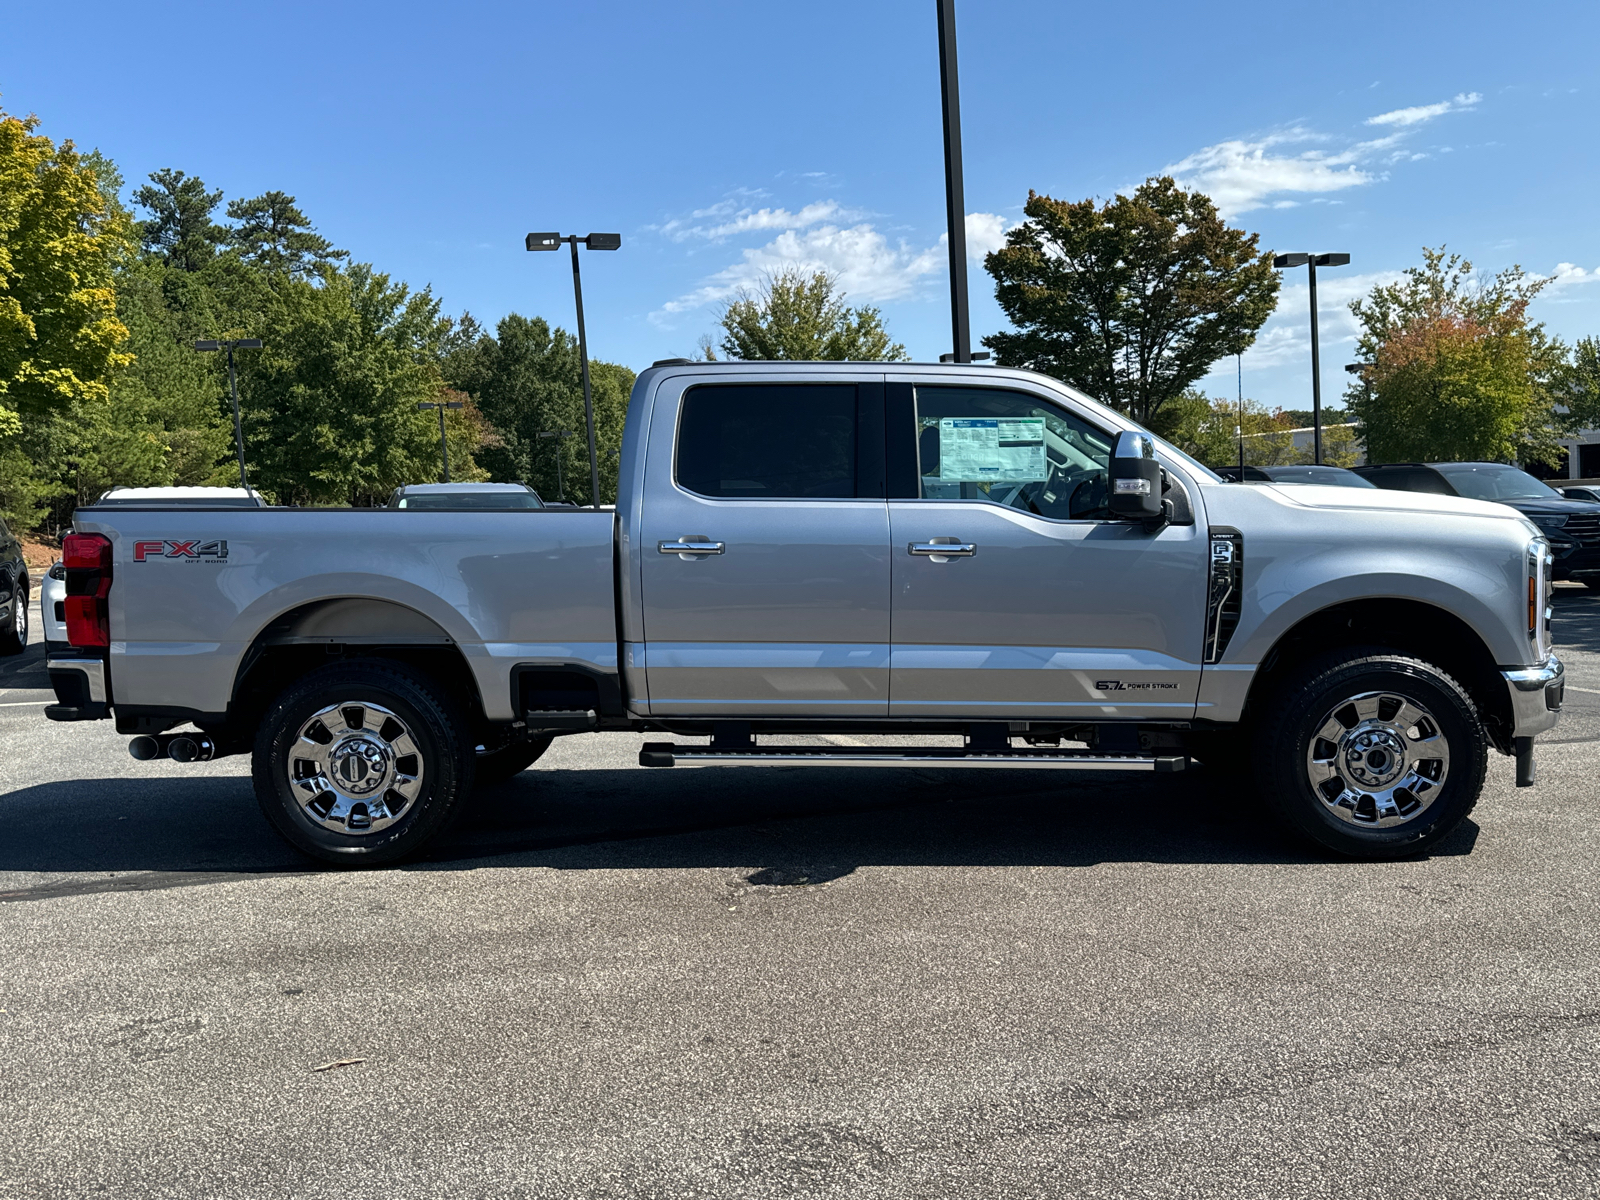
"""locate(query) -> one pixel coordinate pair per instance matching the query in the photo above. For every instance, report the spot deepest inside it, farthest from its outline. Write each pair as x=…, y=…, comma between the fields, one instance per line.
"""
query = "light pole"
x=233, y=390
x=561, y=491
x=954, y=198
x=444, y=447
x=595, y=241
x=1313, y=261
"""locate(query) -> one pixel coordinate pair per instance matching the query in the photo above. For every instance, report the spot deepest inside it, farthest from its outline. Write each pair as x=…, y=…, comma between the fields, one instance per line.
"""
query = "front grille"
x=1584, y=528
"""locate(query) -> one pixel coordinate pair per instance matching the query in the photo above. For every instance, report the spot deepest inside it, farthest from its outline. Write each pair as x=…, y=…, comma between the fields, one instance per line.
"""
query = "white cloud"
x=1404, y=117
x=1285, y=340
x=746, y=219
x=1569, y=275
x=1239, y=175
x=869, y=267
x=1244, y=174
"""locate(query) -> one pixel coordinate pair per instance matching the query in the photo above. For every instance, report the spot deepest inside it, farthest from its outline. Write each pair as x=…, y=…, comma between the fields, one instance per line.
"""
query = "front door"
x=765, y=551
x=1016, y=594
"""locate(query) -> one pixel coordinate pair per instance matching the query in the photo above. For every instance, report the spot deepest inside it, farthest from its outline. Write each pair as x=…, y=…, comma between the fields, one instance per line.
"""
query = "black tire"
x=412, y=714
x=1400, y=810
x=14, y=629
x=497, y=766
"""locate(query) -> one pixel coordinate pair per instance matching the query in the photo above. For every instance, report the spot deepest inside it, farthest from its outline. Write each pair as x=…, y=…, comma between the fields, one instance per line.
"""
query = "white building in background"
x=1583, y=454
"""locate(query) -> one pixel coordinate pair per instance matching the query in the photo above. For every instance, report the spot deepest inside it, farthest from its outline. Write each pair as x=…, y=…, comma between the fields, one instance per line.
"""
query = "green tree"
x=274, y=235
x=1578, y=387
x=331, y=399
x=1452, y=367
x=525, y=379
x=800, y=317
x=1131, y=301
x=180, y=230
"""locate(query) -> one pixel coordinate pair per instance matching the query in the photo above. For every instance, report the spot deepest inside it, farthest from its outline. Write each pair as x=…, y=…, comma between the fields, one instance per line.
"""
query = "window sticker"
x=992, y=450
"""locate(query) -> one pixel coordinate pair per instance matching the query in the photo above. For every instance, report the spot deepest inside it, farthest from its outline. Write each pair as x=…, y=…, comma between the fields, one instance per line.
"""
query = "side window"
x=768, y=441
x=1013, y=449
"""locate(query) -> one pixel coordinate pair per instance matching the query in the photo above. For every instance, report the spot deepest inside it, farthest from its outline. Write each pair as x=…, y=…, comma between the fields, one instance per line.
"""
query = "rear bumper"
x=80, y=687
x=1536, y=695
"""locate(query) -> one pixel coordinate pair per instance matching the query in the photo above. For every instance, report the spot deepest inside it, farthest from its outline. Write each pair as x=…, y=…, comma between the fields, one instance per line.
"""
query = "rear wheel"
x=14, y=630
x=361, y=763
x=1374, y=755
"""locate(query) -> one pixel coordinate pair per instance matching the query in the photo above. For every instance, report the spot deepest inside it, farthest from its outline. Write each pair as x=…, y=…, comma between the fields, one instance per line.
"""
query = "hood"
x=1555, y=507
x=1312, y=495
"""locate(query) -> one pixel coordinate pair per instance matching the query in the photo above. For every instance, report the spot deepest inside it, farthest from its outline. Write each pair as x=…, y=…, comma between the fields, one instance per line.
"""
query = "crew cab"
x=854, y=548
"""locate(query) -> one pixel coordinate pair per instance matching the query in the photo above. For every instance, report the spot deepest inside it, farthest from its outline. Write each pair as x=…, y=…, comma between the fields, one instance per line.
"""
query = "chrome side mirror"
x=1136, y=482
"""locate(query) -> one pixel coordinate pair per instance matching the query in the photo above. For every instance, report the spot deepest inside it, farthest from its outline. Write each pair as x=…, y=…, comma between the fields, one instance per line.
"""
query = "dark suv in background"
x=1572, y=526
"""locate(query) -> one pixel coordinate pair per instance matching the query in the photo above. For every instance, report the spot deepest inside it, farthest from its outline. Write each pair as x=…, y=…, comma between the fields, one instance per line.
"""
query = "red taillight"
x=87, y=559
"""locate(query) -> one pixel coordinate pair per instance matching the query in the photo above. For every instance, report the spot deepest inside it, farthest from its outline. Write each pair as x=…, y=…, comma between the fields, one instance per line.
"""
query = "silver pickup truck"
x=807, y=548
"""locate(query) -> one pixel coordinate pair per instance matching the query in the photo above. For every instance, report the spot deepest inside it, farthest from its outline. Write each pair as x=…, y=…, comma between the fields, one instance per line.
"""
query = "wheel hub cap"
x=355, y=768
x=1378, y=759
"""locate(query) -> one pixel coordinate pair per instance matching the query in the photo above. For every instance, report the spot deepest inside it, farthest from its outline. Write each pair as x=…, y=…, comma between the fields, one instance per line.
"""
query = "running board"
x=666, y=754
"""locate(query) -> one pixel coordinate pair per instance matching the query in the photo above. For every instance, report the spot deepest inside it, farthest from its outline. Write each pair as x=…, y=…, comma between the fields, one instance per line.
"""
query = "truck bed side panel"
x=506, y=588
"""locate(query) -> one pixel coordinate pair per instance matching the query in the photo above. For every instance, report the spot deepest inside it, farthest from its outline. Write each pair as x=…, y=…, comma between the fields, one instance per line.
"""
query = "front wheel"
x=14, y=630
x=361, y=763
x=1374, y=755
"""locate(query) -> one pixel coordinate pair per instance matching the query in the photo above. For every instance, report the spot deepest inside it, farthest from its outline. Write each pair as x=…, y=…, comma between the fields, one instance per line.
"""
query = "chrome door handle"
x=950, y=549
x=685, y=548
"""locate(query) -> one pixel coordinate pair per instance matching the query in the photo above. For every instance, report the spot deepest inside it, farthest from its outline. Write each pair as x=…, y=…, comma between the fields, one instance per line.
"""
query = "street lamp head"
x=1355, y=368
x=603, y=241
x=247, y=344
x=1331, y=260
x=452, y=404
x=543, y=241
x=208, y=346
x=1290, y=260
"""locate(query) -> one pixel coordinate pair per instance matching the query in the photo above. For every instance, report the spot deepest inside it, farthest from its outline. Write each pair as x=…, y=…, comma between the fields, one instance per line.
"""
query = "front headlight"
x=1541, y=583
x=1549, y=522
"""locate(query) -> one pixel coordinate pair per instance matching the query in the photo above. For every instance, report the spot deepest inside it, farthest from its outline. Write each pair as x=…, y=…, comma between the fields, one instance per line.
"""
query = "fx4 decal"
x=194, y=550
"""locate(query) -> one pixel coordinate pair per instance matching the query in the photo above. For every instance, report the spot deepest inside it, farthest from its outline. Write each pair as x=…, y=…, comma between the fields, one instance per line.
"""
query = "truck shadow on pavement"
x=781, y=826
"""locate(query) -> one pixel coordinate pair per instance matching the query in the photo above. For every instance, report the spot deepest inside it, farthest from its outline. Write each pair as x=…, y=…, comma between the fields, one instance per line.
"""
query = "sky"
x=725, y=140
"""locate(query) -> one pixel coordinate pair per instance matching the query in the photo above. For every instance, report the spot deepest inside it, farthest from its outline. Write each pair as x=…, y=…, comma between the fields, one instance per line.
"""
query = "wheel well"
x=325, y=631
x=1408, y=627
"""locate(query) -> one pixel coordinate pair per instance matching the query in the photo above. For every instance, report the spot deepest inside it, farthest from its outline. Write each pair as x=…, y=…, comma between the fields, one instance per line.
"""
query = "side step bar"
x=666, y=754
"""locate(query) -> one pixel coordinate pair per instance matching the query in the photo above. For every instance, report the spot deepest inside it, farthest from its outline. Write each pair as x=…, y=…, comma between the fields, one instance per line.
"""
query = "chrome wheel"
x=1378, y=759
x=355, y=768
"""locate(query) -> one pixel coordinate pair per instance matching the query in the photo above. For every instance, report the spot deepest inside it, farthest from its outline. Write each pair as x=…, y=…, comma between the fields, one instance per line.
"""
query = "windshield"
x=457, y=501
x=1326, y=476
x=1494, y=481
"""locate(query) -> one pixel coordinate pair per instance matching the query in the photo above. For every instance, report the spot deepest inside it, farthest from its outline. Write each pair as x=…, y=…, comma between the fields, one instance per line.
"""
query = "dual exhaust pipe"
x=180, y=747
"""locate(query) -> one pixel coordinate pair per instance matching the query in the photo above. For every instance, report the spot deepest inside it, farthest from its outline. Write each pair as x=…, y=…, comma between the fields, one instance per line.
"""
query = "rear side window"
x=769, y=441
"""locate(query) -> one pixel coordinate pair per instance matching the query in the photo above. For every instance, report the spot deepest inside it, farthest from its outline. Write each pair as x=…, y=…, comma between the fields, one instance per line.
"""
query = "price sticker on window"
x=992, y=450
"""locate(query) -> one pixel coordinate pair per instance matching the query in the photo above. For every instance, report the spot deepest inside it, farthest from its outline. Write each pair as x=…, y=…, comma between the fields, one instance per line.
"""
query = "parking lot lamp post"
x=561, y=491
x=595, y=241
x=1313, y=261
x=444, y=448
x=233, y=390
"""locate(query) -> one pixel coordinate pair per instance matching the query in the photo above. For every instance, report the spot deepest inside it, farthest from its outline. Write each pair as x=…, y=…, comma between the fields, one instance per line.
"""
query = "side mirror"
x=1136, y=482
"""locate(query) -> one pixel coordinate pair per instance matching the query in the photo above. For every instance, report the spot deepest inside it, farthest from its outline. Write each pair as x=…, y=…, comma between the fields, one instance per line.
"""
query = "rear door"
x=764, y=555
x=1043, y=606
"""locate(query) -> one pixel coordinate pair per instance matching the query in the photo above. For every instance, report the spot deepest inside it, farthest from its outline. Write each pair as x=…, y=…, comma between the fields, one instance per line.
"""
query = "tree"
x=274, y=235
x=1452, y=369
x=1131, y=301
x=180, y=230
x=800, y=317
x=1578, y=387
x=525, y=379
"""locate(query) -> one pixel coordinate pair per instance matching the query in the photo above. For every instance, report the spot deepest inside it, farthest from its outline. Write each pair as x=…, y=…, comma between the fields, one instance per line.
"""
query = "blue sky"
x=722, y=139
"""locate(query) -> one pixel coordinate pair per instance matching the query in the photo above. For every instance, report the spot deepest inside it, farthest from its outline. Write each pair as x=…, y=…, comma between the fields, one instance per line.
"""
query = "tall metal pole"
x=583, y=359
x=954, y=199
x=444, y=446
x=1316, y=374
x=1238, y=362
x=238, y=425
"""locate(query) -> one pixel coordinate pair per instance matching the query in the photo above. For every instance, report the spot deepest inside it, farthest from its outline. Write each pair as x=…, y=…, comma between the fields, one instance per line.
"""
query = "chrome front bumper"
x=1536, y=694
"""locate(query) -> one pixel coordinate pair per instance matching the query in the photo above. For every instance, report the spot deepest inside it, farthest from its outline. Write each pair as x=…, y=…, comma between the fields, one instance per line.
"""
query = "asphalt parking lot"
x=617, y=982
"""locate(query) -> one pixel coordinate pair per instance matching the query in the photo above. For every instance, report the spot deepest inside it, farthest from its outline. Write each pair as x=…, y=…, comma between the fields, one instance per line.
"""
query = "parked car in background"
x=13, y=594
x=1571, y=526
x=1244, y=474
x=53, y=609
x=183, y=498
x=1325, y=476
x=466, y=497
x=1581, y=492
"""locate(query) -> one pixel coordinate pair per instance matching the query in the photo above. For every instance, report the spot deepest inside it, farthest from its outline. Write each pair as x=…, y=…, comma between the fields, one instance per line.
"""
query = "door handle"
x=943, y=549
x=684, y=548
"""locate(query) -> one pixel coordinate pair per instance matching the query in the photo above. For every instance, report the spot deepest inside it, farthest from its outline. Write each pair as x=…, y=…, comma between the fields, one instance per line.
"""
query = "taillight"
x=87, y=559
